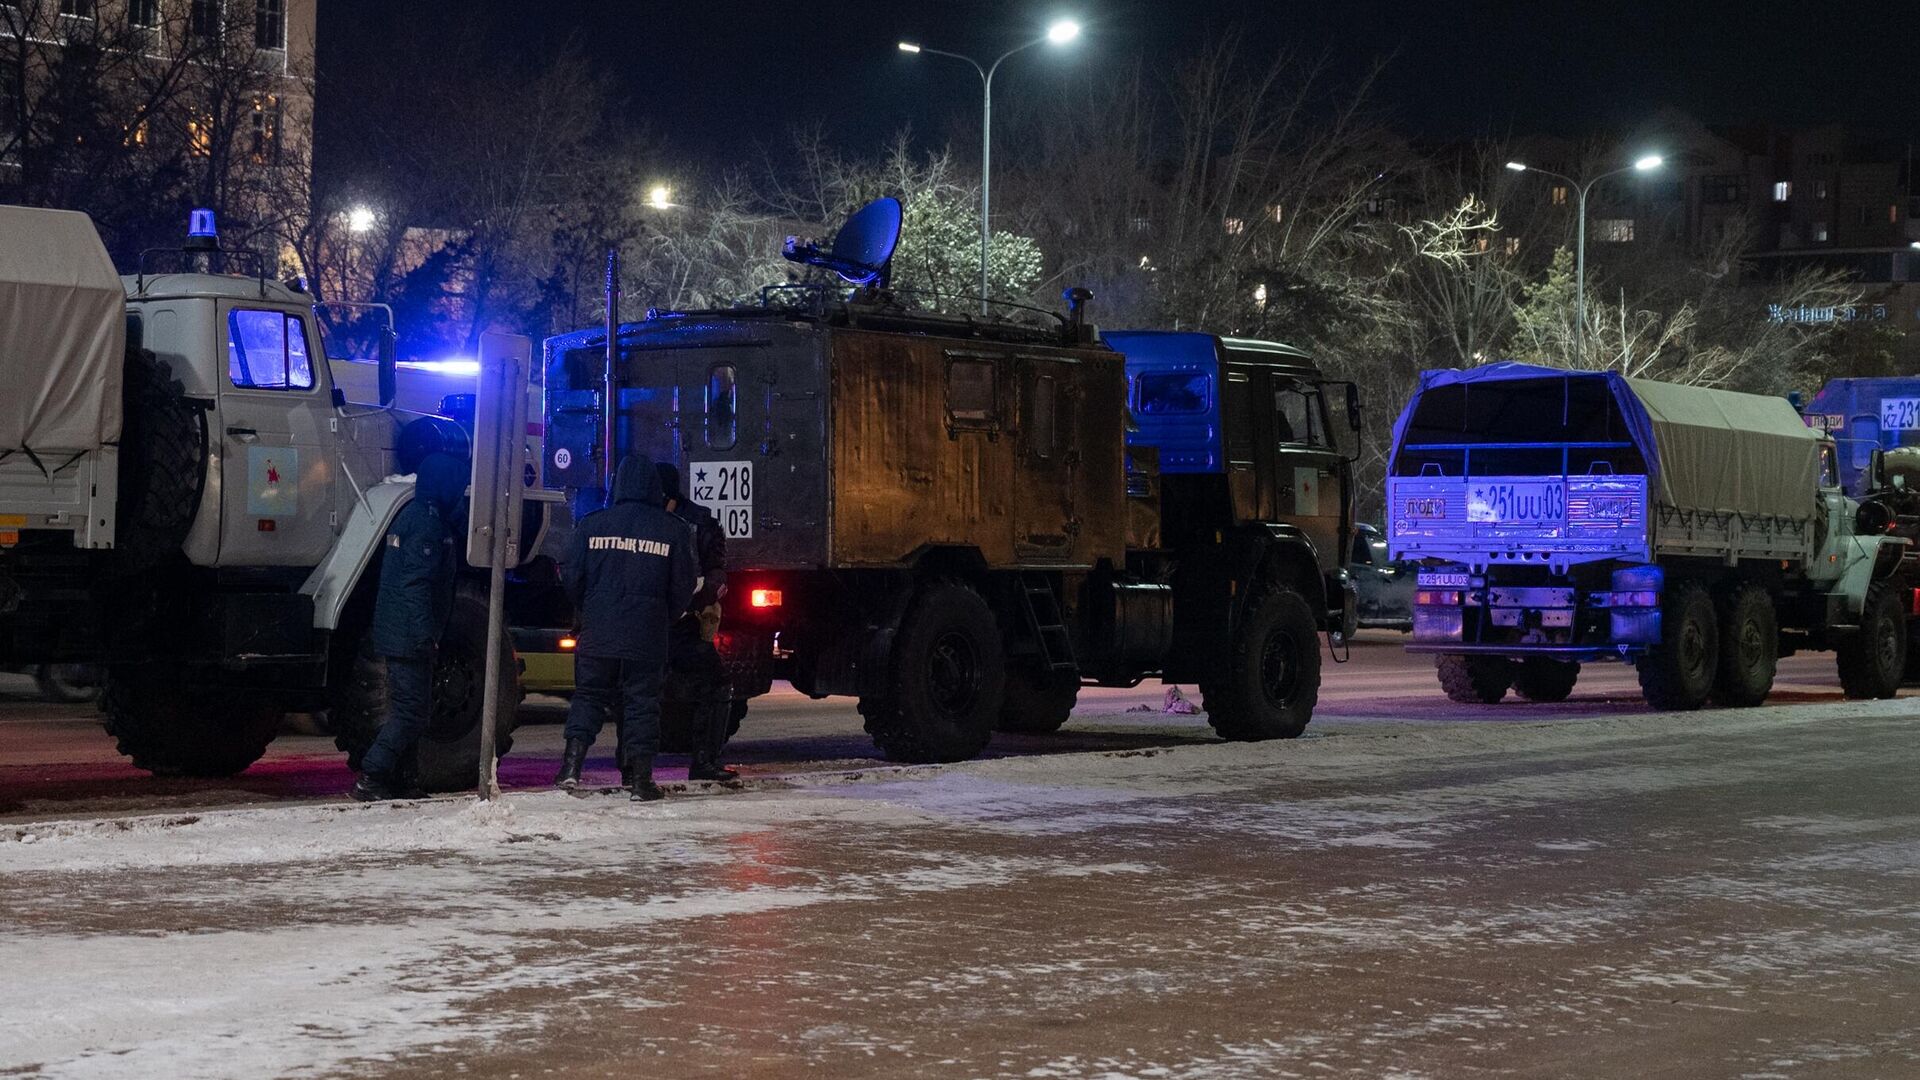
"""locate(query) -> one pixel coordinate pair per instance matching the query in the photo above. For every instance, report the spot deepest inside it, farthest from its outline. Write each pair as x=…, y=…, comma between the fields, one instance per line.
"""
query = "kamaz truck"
x=961, y=520
x=189, y=499
x=1864, y=415
x=1565, y=517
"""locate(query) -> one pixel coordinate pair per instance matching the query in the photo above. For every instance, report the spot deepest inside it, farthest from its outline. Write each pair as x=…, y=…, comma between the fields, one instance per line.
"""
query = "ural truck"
x=1566, y=517
x=188, y=499
x=962, y=520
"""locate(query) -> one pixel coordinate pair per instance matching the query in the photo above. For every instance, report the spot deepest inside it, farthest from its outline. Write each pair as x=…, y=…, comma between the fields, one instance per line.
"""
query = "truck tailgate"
x=1483, y=519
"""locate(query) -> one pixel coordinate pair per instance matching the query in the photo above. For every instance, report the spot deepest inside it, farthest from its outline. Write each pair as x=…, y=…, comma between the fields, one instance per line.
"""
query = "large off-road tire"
x=1544, y=681
x=170, y=728
x=1038, y=701
x=1475, y=680
x=1679, y=673
x=1269, y=681
x=448, y=756
x=945, y=681
x=1749, y=647
x=163, y=464
x=1873, y=659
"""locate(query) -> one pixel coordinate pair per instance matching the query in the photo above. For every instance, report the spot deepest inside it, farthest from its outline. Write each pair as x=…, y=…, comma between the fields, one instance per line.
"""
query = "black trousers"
x=409, y=710
x=597, y=680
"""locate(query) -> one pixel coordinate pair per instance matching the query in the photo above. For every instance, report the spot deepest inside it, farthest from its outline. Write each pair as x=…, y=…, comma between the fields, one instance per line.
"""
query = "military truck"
x=1565, y=517
x=187, y=498
x=961, y=520
x=1864, y=415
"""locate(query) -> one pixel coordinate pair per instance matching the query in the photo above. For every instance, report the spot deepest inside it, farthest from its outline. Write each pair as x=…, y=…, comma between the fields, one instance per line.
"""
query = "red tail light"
x=764, y=598
x=567, y=643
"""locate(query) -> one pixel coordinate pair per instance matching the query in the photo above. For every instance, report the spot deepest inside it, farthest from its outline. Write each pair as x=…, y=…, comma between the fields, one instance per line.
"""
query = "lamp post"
x=1060, y=32
x=1644, y=164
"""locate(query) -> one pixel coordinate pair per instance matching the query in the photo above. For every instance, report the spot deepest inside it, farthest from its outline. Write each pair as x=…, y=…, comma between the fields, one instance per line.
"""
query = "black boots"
x=571, y=760
x=639, y=776
x=371, y=788
x=708, y=741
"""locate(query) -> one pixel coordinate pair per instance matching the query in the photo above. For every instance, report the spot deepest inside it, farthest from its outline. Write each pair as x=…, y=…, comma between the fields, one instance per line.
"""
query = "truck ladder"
x=1044, y=621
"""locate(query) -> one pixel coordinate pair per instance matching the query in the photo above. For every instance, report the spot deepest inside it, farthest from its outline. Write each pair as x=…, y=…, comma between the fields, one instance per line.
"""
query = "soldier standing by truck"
x=629, y=572
x=691, y=652
x=410, y=613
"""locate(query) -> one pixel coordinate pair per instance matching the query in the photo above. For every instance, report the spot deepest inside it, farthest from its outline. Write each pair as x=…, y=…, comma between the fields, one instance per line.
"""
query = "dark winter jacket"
x=418, y=562
x=709, y=539
x=630, y=570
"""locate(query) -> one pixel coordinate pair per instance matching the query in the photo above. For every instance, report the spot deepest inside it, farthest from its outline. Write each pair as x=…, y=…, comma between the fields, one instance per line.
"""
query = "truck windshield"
x=1174, y=393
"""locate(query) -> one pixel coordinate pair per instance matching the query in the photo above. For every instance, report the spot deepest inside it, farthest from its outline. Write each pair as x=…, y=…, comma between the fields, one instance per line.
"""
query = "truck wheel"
x=1476, y=680
x=163, y=463
x=448, y=756
x=1873, y=659
x=1679, y=673
x=1038, y=701
x=1749, y=648
x=1270, y=680
x=172, y=729
x=947, y=678
x=1545, y=681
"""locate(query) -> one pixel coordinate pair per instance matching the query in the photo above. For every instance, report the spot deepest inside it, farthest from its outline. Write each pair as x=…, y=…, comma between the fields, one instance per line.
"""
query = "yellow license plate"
x=13, y=521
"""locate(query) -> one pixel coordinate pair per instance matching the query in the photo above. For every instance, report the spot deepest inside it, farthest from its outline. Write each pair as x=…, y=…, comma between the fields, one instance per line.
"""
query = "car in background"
x=1385, y=587
x=66, y=684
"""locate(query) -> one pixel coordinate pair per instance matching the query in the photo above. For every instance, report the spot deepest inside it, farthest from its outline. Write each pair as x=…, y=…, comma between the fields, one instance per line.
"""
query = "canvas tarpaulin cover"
x=1705, y=449
x=62, y=335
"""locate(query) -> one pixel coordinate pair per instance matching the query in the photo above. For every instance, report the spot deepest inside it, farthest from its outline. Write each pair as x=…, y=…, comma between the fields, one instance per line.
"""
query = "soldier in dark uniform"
x=630, y=572
x=691, y=653
x=409, y=614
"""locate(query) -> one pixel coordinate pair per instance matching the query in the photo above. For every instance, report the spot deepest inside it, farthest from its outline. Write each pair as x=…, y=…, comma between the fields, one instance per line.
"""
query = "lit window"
x=1819, y=189
x=200, y=137
x=1276, y=214
x=270, y=24
x=1513, y=245
x=1819, y=232
x=1615, y=230
x=1893, y=213
x=267, y=350
x=1260, y=296
x=1559, y=194
x=1782, y=190
x=1141, y=224
x=1481, y=243
x=265, y=131
x=1235, y=226
x=137, y=134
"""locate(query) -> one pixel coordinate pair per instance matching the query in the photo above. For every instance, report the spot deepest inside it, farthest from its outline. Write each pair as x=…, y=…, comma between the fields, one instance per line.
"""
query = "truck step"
x=1044, y=620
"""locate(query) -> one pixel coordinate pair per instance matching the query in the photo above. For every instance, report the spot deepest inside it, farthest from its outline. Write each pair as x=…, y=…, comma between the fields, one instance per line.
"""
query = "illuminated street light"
x=1060, y=32
x=1646, y=163
x=360, y=219
x=660, y=197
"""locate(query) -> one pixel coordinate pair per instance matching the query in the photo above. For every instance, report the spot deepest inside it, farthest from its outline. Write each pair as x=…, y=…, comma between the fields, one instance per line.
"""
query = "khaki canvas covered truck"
x=1565, y=517
x=187, y=498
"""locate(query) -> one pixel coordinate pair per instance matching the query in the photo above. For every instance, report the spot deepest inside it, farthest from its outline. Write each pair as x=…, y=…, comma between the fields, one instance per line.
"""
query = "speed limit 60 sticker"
x=726, y=488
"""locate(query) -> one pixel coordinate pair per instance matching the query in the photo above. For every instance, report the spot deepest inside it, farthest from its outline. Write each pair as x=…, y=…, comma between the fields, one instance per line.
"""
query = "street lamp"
x=360, y=219
x=660, y=197
x=1061, y=32
x=1644, y=164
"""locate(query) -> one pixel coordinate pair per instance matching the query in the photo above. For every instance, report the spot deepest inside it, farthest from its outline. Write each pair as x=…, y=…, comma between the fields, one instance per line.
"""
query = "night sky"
x=711, y=76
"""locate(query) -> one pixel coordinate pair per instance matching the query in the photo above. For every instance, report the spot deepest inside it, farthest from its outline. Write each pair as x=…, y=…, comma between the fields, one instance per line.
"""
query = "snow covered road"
x=1730, y=893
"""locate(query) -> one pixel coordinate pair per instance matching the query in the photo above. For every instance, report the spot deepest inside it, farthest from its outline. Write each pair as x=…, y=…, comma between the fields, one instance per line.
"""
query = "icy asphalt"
x=1727, y=893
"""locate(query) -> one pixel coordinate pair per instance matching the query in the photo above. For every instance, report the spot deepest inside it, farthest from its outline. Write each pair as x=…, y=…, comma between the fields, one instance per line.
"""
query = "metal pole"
x=1580, y=281
x=489, y=780
x=608, y=390
x=986, y=175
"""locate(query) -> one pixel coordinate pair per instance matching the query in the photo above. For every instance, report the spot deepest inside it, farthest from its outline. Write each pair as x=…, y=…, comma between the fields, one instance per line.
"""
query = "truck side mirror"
x=389, y=367
x=1353, y=407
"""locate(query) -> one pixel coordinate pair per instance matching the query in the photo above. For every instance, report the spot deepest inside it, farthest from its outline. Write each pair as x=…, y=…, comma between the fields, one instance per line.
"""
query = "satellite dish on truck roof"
x=862, y=251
